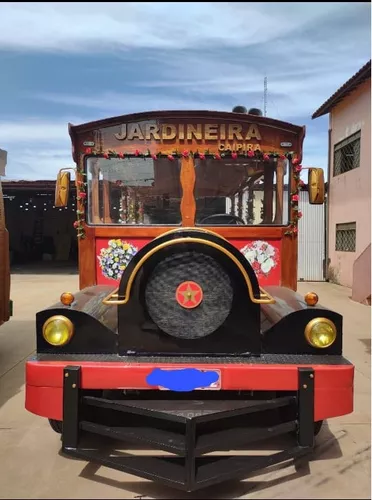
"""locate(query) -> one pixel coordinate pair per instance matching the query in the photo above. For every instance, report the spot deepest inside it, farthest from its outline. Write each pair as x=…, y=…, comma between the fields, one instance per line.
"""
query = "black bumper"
x=186, y=430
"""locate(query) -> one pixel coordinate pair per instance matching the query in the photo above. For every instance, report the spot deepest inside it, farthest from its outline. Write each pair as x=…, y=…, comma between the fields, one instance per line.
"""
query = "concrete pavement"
x=31, y=466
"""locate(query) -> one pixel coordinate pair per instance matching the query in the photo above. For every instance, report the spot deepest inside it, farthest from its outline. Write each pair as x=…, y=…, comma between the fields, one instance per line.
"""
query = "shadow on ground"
x=367, y=344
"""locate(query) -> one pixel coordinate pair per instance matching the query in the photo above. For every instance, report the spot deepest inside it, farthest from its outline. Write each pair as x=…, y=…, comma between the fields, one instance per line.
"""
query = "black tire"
x=56, y=425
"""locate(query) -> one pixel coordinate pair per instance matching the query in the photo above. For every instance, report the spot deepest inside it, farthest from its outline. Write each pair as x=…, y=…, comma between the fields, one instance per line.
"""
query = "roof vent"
x=255, y=111
x=240, y=109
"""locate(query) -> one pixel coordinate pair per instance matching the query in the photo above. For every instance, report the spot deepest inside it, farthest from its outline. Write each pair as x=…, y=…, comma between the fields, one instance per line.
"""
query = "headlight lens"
x=58, y=330
x=320, y=332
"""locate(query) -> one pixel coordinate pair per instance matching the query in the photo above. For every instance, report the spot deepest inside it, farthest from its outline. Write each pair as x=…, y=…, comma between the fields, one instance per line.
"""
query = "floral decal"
x=115, y=258
x=262, y=256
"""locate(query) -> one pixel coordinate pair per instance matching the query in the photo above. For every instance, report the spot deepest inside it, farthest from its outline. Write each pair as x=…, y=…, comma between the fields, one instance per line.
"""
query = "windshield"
x=143, y=191
x=134, y=191
x=242, y=191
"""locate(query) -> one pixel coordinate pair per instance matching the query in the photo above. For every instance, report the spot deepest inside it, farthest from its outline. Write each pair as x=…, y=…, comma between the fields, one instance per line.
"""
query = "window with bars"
x=346, y=237
x=347, y=154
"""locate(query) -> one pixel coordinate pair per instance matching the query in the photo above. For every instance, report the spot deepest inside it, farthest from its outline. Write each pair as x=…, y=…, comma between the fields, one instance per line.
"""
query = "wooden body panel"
x=168, y=132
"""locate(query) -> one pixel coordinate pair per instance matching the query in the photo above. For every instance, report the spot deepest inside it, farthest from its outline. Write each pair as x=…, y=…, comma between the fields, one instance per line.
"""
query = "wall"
x=350, y=193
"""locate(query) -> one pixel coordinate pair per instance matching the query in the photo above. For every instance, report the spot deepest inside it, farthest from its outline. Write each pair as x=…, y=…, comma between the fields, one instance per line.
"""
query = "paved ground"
x=31, y=466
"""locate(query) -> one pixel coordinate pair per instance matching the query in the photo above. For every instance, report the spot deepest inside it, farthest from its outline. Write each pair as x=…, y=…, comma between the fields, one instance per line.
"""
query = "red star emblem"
x=189, y=294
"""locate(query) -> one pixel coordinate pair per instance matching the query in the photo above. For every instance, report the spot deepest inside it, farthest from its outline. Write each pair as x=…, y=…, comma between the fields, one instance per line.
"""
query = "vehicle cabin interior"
x=144, y=191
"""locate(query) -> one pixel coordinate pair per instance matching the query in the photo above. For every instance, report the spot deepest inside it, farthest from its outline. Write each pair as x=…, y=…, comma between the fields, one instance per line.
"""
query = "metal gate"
x=311, y=240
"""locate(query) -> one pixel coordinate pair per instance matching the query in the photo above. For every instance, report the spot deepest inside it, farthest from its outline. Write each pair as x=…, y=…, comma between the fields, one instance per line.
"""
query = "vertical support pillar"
x=305, y=396
x=71, y=403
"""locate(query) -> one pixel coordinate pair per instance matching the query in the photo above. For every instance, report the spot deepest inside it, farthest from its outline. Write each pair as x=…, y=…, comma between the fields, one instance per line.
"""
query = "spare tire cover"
x=166, y=311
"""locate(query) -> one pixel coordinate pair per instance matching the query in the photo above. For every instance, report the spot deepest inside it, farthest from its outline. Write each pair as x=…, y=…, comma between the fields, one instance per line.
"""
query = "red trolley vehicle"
x=187, y=335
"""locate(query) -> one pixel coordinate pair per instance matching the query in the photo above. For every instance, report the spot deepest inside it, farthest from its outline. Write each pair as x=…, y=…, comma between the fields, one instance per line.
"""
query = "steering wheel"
x=223, y=219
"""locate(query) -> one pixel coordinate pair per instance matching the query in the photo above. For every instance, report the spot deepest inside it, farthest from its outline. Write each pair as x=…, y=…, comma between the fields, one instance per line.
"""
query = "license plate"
x=214, y=386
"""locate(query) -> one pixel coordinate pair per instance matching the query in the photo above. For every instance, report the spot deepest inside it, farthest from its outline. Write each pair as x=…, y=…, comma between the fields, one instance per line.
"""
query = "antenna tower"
x=265, y=95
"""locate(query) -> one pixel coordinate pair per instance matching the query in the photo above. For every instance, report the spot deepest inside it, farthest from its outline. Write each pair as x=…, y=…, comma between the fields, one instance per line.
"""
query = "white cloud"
x=294, y=96
x=37, y=149
x=28, y=131
x=110, y=102
x=178, y=55
x=80, y=27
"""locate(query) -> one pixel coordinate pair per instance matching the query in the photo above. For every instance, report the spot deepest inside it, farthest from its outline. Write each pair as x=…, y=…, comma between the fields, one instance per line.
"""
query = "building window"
x=347, y=154
x=346, y=237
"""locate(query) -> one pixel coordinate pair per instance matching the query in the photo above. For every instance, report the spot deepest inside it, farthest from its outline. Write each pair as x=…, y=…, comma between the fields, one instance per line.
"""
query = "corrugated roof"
x=362, y=75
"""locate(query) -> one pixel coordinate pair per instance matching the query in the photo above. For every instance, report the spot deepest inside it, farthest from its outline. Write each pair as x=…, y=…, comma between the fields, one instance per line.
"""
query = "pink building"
x=349, y=176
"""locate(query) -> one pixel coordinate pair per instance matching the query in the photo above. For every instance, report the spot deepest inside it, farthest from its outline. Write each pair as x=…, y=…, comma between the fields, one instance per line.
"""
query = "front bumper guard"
x=187, y=429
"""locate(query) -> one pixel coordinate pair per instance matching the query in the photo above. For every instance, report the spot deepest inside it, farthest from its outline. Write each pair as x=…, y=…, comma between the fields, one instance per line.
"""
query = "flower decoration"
x=295, y=198
x=81, y=196
x=115, y=258
x=262, y=256
x=202, y=155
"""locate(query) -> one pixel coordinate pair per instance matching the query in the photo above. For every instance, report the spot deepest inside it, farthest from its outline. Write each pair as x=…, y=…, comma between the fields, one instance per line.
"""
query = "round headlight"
x=320, y=332
x=58, y=330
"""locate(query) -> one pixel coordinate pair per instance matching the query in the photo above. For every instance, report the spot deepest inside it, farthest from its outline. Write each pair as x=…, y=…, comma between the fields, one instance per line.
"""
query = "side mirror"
x=316, y=186
x=62, y=189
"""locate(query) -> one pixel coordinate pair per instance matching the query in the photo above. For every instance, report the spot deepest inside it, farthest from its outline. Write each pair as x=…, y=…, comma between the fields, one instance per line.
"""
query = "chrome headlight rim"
x=310, y=326
x=63, y=319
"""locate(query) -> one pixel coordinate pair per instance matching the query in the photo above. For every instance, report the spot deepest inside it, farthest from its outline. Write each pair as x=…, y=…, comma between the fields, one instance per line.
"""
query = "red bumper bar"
x=44, y=382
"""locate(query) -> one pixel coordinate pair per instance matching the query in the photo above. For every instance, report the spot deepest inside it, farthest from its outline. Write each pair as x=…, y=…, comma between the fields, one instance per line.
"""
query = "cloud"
x=110, y=102
x=69, y=62
x=37, y=149
x=28, y=131
x=76, y=27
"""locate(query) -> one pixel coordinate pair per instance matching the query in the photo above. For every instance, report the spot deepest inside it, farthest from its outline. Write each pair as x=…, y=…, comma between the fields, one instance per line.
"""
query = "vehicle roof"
x=192, y=114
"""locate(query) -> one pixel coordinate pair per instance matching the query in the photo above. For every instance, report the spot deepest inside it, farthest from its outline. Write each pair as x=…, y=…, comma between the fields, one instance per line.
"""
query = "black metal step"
x=187, y=428
x=234, y=439
x=153, y=437
x=183, y=411
x=171, y=471
x=238, y=467
x=172, y=442
x=156, y=469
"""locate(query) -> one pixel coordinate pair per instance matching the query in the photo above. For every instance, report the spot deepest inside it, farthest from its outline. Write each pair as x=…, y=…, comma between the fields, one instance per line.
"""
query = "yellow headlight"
x=320, y=332
x=58, y=330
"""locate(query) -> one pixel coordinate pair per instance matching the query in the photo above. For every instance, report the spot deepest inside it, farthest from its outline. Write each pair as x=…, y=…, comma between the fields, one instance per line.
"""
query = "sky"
x=79, y=62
